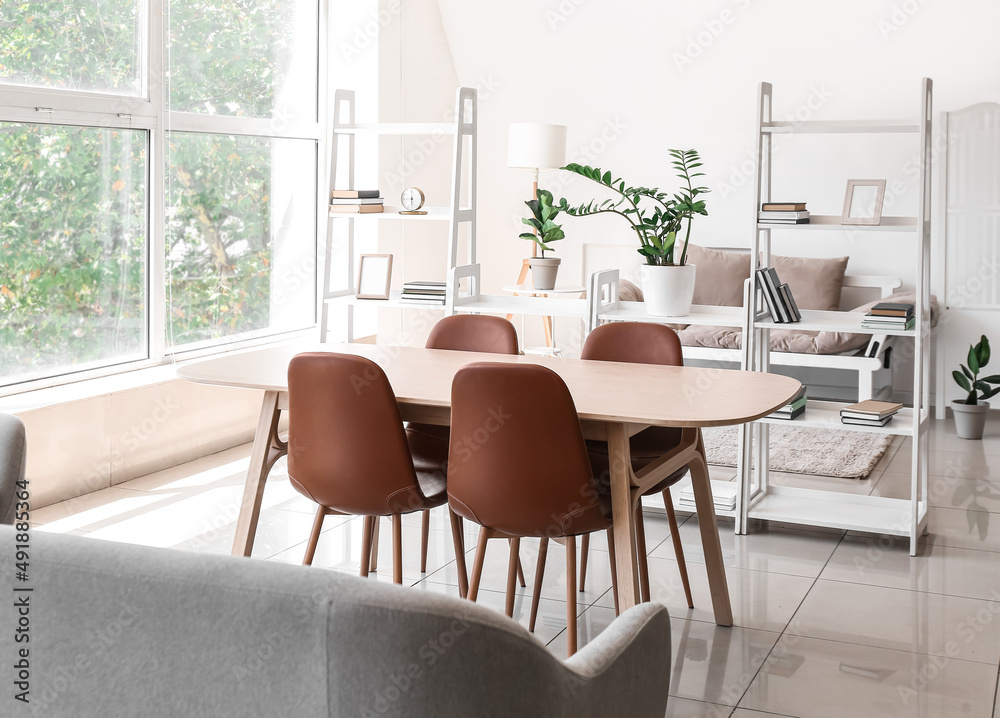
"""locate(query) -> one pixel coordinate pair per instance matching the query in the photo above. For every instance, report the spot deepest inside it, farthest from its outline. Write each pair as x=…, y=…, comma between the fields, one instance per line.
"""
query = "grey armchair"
x=13, y=452
x=127, y=631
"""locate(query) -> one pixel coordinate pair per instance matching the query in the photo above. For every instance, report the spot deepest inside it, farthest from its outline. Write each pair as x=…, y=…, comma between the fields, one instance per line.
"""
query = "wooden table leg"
x=623, y=512
x=710, y=543
x=267, y=448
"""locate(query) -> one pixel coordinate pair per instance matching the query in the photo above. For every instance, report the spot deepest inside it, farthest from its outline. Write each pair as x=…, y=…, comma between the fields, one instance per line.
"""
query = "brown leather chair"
x=518, y=466
x=348, y=452
x=641, y=343
x=428, y=442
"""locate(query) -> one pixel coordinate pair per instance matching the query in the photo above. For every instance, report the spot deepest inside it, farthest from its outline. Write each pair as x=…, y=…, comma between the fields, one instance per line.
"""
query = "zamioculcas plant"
x=543, y=220
x=656, y=217
x=968, y=378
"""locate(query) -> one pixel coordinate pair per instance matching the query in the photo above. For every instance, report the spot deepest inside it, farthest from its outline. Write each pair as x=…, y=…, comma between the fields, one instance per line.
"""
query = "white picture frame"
x=863, y=202
x=374, y=274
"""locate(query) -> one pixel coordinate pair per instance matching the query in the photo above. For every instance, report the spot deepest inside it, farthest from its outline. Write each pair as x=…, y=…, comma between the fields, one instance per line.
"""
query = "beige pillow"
x=720, y=275
x=628, y=292
x=815, y=283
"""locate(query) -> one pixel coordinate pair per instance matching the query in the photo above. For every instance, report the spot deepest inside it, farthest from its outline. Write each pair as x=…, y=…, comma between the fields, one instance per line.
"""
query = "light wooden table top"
x=603, y=391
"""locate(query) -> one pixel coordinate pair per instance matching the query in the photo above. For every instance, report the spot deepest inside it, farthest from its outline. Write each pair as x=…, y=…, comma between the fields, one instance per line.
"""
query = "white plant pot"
x=668, y=291
x=544, y=271
x=970, y=419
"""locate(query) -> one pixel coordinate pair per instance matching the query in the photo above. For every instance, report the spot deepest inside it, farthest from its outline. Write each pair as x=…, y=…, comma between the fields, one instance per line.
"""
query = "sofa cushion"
x=629, y=292
x=720, y=276
x=815, y=283
x=782, y=340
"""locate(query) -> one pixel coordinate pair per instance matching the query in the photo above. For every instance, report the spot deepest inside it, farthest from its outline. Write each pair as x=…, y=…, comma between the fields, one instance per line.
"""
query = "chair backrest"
x=634, y=342
x=517, y=459
x=346, y=446
x=474, y=333
x=13, y=456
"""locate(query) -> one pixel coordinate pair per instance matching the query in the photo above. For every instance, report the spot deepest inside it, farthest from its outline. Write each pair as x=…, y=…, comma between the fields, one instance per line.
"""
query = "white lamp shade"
x=536, y=146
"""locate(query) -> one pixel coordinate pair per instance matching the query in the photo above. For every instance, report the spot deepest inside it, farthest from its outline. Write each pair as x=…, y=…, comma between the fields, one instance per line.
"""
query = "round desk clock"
x=412, y=200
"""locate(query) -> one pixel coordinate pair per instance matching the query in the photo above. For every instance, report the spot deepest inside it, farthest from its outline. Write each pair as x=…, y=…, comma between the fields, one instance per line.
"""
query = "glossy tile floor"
x=826, y=624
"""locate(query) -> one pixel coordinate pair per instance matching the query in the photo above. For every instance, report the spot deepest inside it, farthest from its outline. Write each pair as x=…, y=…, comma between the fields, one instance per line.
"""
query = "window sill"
x=128, y=379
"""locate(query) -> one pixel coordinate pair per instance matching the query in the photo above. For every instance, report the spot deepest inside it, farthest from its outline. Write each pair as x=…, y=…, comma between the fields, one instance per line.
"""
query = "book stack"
x=783, y=213
x=723, y=495
x=890, y=316
x=423, y=292
x=869, y=413
x=355, y=201
x=778, y=297
x=793, y=409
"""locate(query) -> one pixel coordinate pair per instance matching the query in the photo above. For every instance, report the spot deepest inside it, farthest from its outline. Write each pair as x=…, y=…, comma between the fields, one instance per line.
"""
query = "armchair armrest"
x=627, y=664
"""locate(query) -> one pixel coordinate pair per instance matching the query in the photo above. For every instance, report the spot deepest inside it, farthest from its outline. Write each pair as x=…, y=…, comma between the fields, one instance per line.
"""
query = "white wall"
x=634, y=79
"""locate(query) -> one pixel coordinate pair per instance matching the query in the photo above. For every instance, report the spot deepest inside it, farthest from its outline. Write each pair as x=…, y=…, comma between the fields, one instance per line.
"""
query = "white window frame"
x=150, y=113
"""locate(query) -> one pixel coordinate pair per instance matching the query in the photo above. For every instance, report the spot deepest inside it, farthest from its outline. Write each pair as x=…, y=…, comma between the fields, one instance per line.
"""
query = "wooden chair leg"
x=425, y=534
x=314, y=536
x=570, y=595
x=367, y=536
x=374, y=562
x=675, y=534
x=513, y=563
x=520, y=571
x=458, y=538
x=477, y=565
x=640, y=549
x=614, y=569
x=397, y=548
x=584, y=554
x=536, y=589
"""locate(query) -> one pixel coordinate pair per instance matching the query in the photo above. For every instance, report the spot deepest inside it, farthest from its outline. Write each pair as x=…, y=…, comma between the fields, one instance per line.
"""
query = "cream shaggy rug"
x=804, y=450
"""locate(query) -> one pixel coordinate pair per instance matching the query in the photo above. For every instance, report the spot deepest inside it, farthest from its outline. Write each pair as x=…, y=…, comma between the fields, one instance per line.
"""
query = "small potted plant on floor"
x=970, y=413
x=543, y=213
x=656, y=218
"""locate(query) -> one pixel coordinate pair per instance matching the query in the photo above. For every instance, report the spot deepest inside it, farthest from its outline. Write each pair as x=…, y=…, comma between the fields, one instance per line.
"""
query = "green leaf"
x=983, y=351
x=991, y=379
x=528, y=235
x=991, y=393
x=973, y=360
x=965, y=370
x=961, y=380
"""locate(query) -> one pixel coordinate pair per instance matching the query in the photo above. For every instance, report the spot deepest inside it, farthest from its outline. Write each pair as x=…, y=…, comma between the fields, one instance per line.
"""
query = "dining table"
x=614, y=401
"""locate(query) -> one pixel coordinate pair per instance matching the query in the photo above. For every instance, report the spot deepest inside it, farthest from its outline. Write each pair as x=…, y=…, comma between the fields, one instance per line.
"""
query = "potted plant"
x=970, y=413
x=656, y=218
x=543, y=269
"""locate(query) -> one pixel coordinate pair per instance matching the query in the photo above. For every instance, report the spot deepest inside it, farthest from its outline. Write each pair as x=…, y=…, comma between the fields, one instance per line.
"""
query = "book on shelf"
x=778, y=297
x=795, y=408
x=804, y=220
x=356, y=208
x=789, y=300
x=869, y=323
x=421, y=299
x=789, y=414
x=889, y=309
x=355, y=200
x=866, y=422
x=354, y=194
x=783, y=206
x=773, y=214
x=425, y=285
x=871, y=408
x=723, y=496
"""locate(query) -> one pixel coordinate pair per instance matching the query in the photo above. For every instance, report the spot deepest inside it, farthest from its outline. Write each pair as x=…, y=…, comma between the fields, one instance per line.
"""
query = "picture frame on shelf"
x=863, y=202
x=374, y=275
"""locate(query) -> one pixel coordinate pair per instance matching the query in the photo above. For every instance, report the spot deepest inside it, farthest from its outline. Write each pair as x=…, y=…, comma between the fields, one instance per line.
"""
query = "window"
x=145, y=134
x=72, y=248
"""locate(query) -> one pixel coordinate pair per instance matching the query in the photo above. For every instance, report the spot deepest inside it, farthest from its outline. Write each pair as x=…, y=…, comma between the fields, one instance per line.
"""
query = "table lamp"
x=535, y=146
